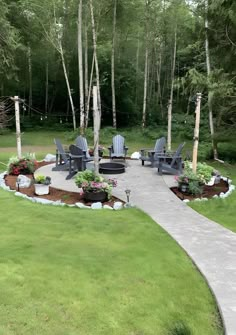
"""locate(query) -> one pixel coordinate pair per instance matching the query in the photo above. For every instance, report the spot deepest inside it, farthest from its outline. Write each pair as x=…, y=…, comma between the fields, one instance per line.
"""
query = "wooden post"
x=196, y=132
x=96, y=128
x=169, y=124
x=18, y=133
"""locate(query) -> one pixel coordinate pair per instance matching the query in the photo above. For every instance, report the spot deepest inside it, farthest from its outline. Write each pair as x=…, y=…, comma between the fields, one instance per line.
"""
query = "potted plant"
x=41, y=184
x=94, y=187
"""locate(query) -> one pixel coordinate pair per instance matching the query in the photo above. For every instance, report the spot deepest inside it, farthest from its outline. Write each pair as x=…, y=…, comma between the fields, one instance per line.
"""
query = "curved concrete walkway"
x=211, y=246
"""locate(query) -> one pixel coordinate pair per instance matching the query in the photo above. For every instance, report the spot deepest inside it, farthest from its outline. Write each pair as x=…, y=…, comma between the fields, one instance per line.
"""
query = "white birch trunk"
x=159, y=95
x=170, y=104
x=210, y=96
x=145, y=70
x=137, y=71
x=113, y=68
x=18, y=132
x=89, y=93
x=95, y=56
x=86, y=87
x=68, y=85
x=196, y=133
x=46, y=89
x=30, y=78
x=96, y=128
x=80, y=62
x=145, y=88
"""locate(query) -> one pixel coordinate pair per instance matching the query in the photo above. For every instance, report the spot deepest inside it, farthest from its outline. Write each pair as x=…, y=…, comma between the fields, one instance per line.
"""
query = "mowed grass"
x=222, y=211
x=68, y=271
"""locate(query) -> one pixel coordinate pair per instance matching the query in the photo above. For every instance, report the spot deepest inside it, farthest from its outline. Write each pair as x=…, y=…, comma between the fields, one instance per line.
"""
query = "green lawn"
x=222, y=211
x=70, y=271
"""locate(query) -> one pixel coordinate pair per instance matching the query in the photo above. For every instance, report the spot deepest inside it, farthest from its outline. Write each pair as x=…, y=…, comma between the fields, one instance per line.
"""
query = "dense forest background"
x=149, y=59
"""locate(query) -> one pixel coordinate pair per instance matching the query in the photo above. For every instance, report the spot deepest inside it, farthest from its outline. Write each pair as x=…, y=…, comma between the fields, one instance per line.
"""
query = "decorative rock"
x=50, y=158
x=96, y=205
x=43, y=201
x=212, y=181
x=186, y=200
x=81, y=205
x=23, y=181
x=19, y=194
x=117, y=205
x=107, y=207
x=215, y=196
x=135, y=155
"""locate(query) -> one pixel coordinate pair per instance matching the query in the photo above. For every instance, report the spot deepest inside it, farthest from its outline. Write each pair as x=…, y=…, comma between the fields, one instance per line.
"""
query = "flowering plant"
x=44, y=180
x=24, y=165
x=90, y=182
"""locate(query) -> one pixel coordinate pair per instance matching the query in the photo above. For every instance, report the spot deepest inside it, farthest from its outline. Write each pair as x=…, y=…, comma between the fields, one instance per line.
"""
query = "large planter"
x=41, y=189
x=95, y=196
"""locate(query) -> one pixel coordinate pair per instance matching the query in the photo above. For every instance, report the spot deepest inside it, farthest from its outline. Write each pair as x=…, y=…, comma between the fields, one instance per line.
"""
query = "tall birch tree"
x=170, y=102
x=95, y=55
x=80, y=62
x=210, y=93
x=113, y=66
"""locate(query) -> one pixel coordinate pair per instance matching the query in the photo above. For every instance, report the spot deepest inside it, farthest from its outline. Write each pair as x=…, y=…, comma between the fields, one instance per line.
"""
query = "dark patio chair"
x=82, y=143
x=77, y=161
x=170, y=162
x=151, y=155
x=62, y=157
x=118, y=148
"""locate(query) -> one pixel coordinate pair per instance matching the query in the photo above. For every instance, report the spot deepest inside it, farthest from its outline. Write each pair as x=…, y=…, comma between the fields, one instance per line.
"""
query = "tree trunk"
x=80, y=62
x=30, y=79
x=46, y=89
x=170, y=104
x=159, y=95
x=68, y=85
x=86, y=73
x=96, y=128
x=210, y=95
x=196, y=133
x=145, y=88
x=95, y=55
x=145, y=71
x=137, y=72
x=89, y=94
x=113, y=68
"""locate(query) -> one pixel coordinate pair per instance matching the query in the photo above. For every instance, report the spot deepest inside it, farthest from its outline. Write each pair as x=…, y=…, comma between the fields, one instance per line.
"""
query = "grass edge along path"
x=70, y=271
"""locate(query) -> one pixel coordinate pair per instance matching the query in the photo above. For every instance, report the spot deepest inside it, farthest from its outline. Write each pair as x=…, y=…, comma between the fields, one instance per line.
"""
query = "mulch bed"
x=69, y=198
x=208, y=191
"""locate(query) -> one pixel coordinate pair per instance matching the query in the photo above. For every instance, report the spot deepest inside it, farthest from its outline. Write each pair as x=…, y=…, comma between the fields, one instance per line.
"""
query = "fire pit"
x=111, y=168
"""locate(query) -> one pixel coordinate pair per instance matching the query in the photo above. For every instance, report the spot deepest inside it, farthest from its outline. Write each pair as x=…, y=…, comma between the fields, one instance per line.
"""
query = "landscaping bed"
x=208, y=191
x=55, y=194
